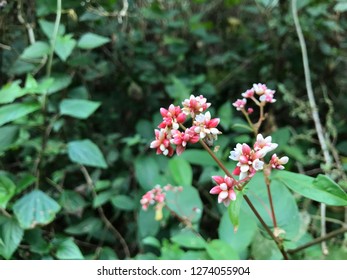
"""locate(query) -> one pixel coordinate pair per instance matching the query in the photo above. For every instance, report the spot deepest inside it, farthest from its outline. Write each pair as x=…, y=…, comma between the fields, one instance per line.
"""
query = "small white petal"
x=244, y=167
x=165, y=153
x=223, y=195
x=162, y=147
x=243, y=175
x=223, y=186
x=284, y=160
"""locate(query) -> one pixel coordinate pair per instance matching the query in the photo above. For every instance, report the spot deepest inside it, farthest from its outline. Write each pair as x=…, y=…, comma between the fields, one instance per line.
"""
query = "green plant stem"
x=267, y=183
x=318, y=240
x=54, y=38
x=46, y=127
x=250, y=204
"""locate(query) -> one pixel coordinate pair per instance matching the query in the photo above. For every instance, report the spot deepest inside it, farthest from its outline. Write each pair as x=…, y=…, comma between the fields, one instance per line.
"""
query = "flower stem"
x=268, y=230
x=267, y=183
x=220, y=164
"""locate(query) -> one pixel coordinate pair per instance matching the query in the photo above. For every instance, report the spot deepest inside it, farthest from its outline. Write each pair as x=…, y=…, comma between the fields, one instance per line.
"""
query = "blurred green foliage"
x=75, y=134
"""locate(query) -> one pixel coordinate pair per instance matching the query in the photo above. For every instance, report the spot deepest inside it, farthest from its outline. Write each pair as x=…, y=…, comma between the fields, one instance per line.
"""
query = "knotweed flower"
x=239, y=104
x=162, y=143
x=195, y=105
x=224, y=189
x=264, y=144
x=181, y=139
x=268, y=96
x=172, y=117
x=249, y=161
x=206, y=127
x=277, y=162
x=155, y=195
x=259, y=88
x=248, y=93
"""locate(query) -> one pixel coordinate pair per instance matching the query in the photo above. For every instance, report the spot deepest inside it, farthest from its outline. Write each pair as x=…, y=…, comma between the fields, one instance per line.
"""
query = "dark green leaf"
x=146, y=172
x=188, y=239
x=181, y=171
x=64, y=46
x=91, y=41
x=11, y=235
x=9, y=113
x=8, y=136
x=7, y=190
x=78, y=108
x=35, y=208
x=85, y=152
x=68, y=250
x=187, y=203
x=220, y=250
x=234, y=210
x=321, y=189
x=123, y=202
x=36, y=50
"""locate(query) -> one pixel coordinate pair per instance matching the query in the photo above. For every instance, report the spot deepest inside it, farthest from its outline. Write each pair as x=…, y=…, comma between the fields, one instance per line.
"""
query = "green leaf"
x=68, y=250
x=91, y=41
x=35, y=51
x=226, y=114
x=181, y=171
x=186, y=203
x=234, y=210
x=11, y=235
x=265, y=249
x=48, y=28
x=123, y=202
x=146, y=172
x=87, y=226
x=56, y=83
x=26, y=181
x=72, y=201
x=10, y=91
x=151, y=241
x=198, y=157
x=321, y=189
x=8, y=136
x=107, y=253
x=147, y=225
x=188, y=239
x=340, y=7
x=242, y=238
x=64, y=46
x=9, y=113
x=78, y=108
x=220, y=250
x=7, y=190
x=286, y=209
x=178, y=90
x=35, y=208
x=85, y=152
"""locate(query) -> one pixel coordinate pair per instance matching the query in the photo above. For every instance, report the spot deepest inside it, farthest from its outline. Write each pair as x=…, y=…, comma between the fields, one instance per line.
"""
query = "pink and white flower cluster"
x=172, y=135
x=224, y=189
x=265, y=94
x=252, y=160
x=157, y=196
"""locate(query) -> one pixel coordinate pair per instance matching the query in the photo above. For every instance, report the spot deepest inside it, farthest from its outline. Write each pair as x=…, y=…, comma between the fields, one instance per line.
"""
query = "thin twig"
x=103, y=217
x=318, y=240
x=314, y=111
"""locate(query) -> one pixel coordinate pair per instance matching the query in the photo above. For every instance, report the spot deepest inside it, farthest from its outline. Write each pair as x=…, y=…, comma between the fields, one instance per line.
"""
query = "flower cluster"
x=172, y=135
x=265, y=94
x=224, y=189
x=156, y=197
x=252, y=160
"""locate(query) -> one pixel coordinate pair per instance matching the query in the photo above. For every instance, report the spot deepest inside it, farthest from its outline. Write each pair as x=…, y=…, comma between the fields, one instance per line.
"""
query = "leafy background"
x=75, y=133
